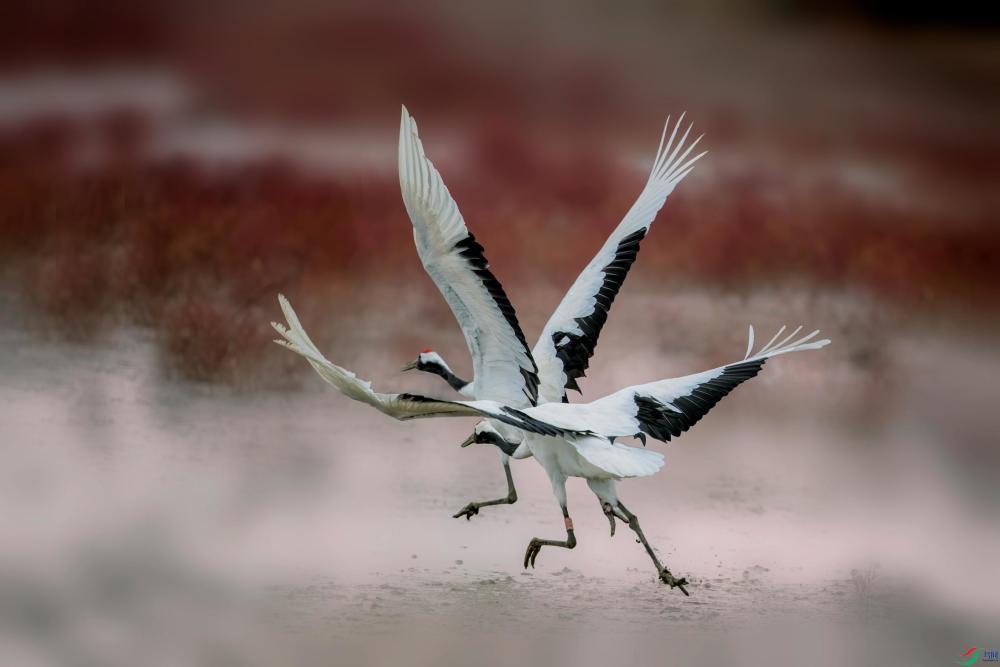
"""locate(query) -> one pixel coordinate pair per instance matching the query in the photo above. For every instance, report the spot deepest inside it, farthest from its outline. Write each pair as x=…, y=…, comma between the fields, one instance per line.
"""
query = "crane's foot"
x=472, y=509
x=672, y=581
x=535, y=545
x=609, y=512
x=469, y=511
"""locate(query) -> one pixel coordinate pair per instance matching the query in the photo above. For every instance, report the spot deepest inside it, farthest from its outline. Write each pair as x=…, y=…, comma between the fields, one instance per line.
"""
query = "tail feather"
x=618, y=459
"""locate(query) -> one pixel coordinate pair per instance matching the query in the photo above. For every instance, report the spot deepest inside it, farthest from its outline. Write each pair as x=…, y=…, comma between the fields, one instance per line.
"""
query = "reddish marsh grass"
x=198, y=253
x=92, y=228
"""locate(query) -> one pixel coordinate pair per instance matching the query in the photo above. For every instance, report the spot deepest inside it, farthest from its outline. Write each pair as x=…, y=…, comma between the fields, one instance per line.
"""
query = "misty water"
x=828, y=503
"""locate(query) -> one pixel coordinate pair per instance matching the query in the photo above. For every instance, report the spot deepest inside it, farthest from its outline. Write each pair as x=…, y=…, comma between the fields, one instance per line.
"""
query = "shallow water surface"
x=191, y=523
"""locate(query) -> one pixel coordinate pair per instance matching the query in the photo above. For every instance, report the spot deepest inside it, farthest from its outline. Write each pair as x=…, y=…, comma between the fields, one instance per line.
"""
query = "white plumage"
x=399, y=406
x=612, y=460
x=617, y=414
x=590, y=297
x=568, y=340
x=521, y=392
x=502, y=362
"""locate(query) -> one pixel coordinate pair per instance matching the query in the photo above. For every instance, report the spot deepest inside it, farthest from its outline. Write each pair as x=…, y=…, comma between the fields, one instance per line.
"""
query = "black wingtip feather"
x=473, y=253
x=661, y=421
x=575, y=353
x=525, y=422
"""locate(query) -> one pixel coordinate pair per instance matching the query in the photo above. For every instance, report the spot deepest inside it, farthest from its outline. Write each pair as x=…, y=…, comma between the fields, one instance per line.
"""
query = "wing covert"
x=504, y=368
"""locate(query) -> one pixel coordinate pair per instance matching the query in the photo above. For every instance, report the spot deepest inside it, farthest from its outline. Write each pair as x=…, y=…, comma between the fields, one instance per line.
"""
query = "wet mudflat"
x=833, y=511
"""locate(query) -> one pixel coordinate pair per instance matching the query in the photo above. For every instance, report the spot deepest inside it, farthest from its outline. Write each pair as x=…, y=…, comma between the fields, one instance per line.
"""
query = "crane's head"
x=428, y=361
x=487, y=433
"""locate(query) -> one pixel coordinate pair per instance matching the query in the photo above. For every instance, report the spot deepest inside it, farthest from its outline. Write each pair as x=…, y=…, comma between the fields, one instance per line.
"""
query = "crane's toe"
x=534, y=546
x=610, y=513
x=672, y=581
x=468, y=511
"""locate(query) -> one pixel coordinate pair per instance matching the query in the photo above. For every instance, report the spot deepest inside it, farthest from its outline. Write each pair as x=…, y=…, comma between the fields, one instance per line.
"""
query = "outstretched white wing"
x=399, y=406
x=501, y=359
x=568, y=340
x=668, y=407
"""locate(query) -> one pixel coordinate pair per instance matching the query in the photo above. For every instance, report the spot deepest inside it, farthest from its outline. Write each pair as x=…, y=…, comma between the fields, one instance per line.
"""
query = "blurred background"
x=178, y=490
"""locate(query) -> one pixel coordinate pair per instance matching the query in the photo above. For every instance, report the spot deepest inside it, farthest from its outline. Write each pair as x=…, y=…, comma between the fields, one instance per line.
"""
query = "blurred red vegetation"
x=199, y=253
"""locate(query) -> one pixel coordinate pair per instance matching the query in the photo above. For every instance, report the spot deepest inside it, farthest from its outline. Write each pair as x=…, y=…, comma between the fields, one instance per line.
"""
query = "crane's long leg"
x=473, y=508
x=665, y=575
x=536, y=544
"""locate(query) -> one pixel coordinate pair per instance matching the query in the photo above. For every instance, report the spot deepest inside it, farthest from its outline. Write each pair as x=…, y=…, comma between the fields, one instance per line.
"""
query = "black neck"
x=506, y=447
x=456, y=382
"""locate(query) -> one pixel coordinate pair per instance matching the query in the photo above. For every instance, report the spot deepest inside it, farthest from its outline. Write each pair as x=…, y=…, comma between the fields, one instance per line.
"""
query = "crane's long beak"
x=468, y=441
x=408, y=367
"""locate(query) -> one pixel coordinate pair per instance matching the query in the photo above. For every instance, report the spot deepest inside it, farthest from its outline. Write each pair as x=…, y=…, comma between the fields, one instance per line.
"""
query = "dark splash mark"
x=661, y=422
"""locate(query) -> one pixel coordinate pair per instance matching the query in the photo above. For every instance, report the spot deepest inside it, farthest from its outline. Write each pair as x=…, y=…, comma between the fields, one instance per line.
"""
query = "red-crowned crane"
x=520, y=396
x=562, y=352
